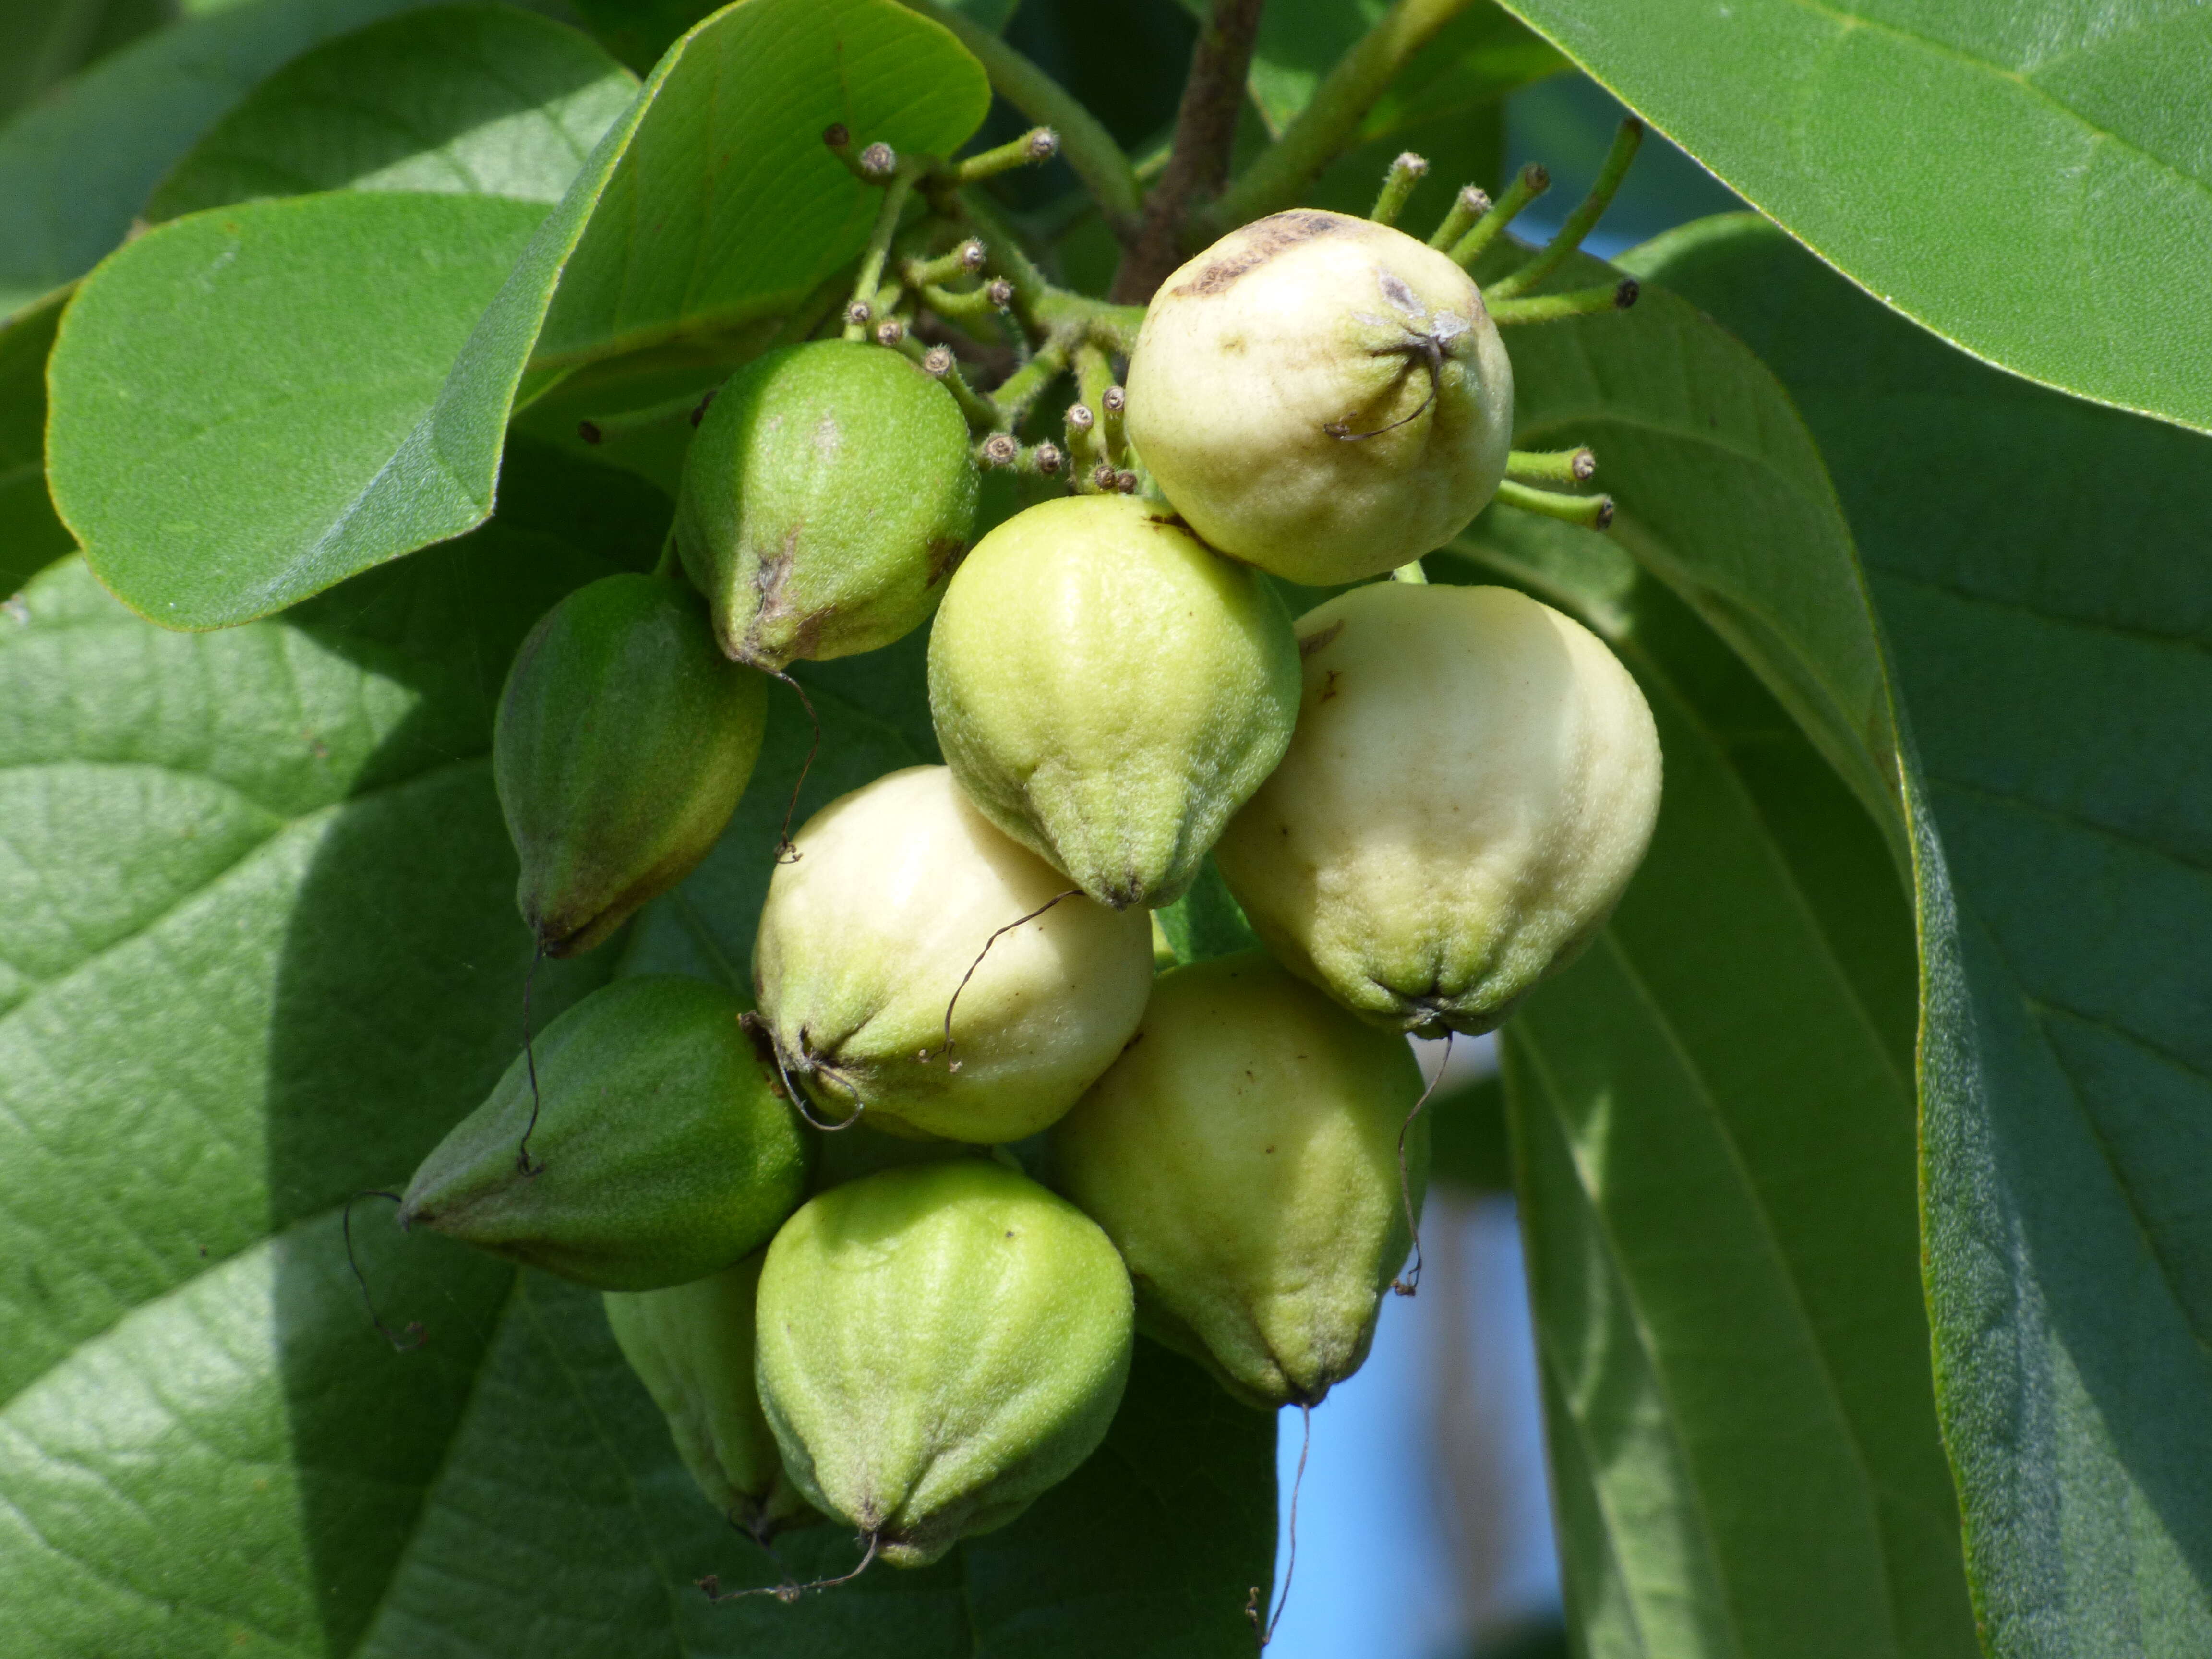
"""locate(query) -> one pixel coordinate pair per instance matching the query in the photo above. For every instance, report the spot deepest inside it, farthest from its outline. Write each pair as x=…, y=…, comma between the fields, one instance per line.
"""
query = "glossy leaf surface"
x=658, y=238
x=479, y=98
x=2031, y=180
x=2050, y=614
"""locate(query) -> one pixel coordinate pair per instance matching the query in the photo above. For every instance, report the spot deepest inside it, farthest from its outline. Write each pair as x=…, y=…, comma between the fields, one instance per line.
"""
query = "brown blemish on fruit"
x=776, y=617
x=1321, y=640
x=1328, y=689
x=1262, y=241
x=944, y=553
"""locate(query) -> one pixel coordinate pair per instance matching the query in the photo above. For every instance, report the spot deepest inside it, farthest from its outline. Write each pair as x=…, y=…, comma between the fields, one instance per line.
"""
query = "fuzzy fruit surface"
x=938, y=1346
x=1109, y=691
x=692, y=1345
x=666, y=1153
x=1474, y=780
x=1321, y=396
x=826, y=496
x=622, y=742
x=865, y=938
x=1242, y=1155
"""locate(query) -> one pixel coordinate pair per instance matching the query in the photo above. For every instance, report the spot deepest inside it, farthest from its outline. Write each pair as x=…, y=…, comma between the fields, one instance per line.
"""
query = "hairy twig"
x=1197, y=166
x=1279, y=173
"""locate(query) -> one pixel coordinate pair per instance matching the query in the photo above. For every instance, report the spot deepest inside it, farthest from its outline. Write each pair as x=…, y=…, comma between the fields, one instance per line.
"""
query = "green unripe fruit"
x=827, y=494
x=661, y=1151
x=1242, y=1155
x=1108, y=691
x=1323, y=397
x=692, y=1346
x=1474, y=780
x=938, y=1346
x=868, y=935
x=622, y=743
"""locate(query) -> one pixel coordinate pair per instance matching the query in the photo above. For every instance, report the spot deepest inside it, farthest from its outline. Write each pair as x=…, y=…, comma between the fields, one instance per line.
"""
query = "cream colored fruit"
x=692, y=1346
x=1107, y=690
x=1474, y=780
x=866, y=935
x=1321, y=396
x=938, y=1345
x=1242, y=1155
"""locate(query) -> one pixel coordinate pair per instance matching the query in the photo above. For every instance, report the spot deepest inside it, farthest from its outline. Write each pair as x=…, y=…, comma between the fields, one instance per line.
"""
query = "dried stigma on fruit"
x=1473, y=780
x=1321, y=396
x=826, y=497
x=938, y=1346
x=1242, y=1155
x=867, y=937
x=1109, y=691
x=692, y=1346
x=662, y=1149
x=622, y=743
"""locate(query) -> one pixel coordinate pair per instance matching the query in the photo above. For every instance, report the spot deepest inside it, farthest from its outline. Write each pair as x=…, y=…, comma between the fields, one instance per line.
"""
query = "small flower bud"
x=889, y=331
x=1079, y=418
x=937, y=361
x=999, y=449
x=1044, y=144
x=859, y=312
x=1413, y=165
x=1583, y=466
x=1050, y=459
x=836, y=135
x=1476, y=202
x=879, y=161
x=972, y=254
x=1000, y=292
x=1126, y=483
x=1104, y=479
x=1113, y=401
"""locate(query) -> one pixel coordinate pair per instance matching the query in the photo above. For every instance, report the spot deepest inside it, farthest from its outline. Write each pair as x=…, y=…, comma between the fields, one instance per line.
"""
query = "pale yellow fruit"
x=1109, y=691
x=1474, y=780
x=1242, y=1155
x=1321, y=396
x=866, y=935
x=938, y=1345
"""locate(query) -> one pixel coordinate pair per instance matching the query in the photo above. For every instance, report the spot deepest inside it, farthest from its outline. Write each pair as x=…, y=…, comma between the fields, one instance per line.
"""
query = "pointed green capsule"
x=1242, y=1155
x=662, y=1150
x=622, y=743
x=1474, y=780
x=1109, y=691
x=692, y=1346
x=938, y=1346
x=827, y=494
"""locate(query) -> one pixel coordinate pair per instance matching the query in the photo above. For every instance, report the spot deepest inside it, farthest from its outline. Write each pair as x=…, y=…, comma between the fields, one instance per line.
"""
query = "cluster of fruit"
x=1424, y=798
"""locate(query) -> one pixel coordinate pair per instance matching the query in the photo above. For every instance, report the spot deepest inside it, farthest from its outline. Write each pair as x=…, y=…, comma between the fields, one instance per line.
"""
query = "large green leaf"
x=2028, y=177
x=75, y=167
x=260, y=949
x=711, y=204
x=475, y=98
x=1715, y=1112
x=31, y=536
x=2042, y=571
x=1714, y=1117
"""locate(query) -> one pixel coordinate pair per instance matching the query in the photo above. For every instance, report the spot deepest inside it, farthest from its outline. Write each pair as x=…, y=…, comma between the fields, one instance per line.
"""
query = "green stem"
x=1398, y=183
x=939, y=363
x=1089, y=149
x=1466, y=210
x=879, y=247
x=1579, y=222
x=1528, y=185
x=1411, y=572
x=1038, y=144
x=1591, y=512
x=1279, y=174
x=1551, y=307
x=1052, y=306
x=1552, y=465
x=1026, y=384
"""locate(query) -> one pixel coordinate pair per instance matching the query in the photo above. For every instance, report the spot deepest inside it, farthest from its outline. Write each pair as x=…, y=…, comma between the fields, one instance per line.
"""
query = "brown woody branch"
x=1198, y=166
